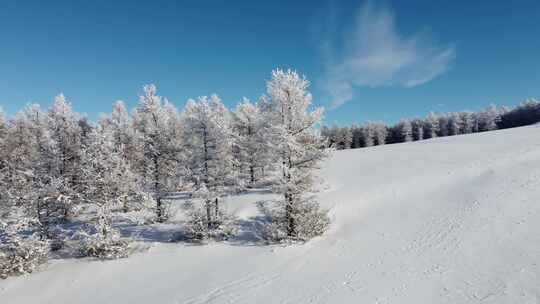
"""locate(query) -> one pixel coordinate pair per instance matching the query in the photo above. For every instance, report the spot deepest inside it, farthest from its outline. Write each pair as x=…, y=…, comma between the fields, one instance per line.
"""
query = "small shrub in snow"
x=309, y=220
x=57, y=238
x=108, y=247
x=103, y=242
x=168, y=211
x=143, y=211
x=20, y=254
x=206, y=220
x=201, y=225
x=141, y=217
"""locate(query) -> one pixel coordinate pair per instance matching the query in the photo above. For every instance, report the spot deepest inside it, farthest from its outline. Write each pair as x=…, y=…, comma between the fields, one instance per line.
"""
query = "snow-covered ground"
x=450, y=220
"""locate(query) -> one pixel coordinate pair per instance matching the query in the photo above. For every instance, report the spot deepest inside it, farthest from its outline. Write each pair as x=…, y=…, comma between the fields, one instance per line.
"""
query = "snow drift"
x=447, y=220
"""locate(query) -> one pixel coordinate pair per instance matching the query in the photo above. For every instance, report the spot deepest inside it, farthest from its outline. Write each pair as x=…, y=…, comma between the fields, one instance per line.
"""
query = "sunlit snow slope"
x=450, y=220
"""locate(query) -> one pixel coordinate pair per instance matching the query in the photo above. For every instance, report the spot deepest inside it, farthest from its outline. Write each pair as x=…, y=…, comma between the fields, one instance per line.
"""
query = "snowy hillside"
x=449, y=220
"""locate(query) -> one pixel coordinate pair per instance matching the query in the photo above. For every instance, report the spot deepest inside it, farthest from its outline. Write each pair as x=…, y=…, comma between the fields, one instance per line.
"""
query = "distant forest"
x=433, y=125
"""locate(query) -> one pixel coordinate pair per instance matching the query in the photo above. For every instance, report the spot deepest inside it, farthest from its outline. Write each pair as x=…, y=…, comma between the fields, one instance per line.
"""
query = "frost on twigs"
x=206, y=220
x=168, y=211
x=20, y=254
x=142, y=211
x=300, y=151
x=308, y=218
x=220, y=227
x=102, y=241
x=106, y=247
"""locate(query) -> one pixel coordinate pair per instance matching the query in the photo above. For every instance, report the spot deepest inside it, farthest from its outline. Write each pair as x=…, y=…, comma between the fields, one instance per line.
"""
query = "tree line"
x=433, y=125
x=58, y=168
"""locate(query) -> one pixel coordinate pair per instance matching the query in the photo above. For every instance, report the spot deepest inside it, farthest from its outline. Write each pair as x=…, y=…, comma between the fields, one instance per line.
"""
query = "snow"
x=447, y=220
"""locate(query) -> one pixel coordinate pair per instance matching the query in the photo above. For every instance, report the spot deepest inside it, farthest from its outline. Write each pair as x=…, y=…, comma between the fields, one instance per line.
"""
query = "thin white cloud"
x=375, y=54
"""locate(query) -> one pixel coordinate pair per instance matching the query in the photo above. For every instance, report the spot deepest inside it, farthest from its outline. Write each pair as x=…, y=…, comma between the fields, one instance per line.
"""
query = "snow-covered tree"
x=20, y=152
x=205, y=222
x=343, y=138
x=123, y=132
x=328, y=133
x=488, y=118
x=443, y=126
x=368, y=134
x=404, y=129
x=466, y=122
x=380, y=133
x=300, y=150
x=32, y=155
x=22, y=245
x=3, y=134
x=454, y=122
x=86, y=128
x=325, y=132
x=333, y=135
x=157, y=145
x=526, y=113
x=356, y=133
x=65, y=131
x=417, y=129
x=34, y=159
x=431, y=126
x=108, y=177
x=476, y=122
x=209, y=142
x=175, y=133
x=102, y=241
x=120, y=127
x=21, y=249
x=253, y=153
x=109, y=184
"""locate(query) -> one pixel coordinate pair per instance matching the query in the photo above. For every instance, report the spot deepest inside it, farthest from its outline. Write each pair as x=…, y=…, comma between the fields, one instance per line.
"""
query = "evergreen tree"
x=417, y=129
x=65, y=132
x=431, y=126
x=404, y=129
x=109, y=183
x=454, y=122
x=356, y=133
x=123, y=133
x=380, y=133
x=343, y=138
x=157, y=146
x=300, y=151
x=368, y=134
x=488, y=119
x=326, y=133
x=443, y=126
x=249, y=126
x=209, y=141
x=466, y=122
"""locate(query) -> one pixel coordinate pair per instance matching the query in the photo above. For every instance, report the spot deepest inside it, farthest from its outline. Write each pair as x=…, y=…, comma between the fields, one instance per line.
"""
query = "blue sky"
x=366, y=60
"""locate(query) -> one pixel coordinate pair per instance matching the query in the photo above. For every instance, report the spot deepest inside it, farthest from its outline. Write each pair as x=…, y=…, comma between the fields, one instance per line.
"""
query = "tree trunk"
x=159, y=207
x=252, y=174
x=125, y=206
x=291, y=224
x=66, y=212
x=208, y=214
x=206, y=158
x=216, y=206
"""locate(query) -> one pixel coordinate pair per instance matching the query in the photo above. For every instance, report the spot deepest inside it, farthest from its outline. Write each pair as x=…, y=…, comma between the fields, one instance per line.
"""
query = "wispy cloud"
x=375, y=54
